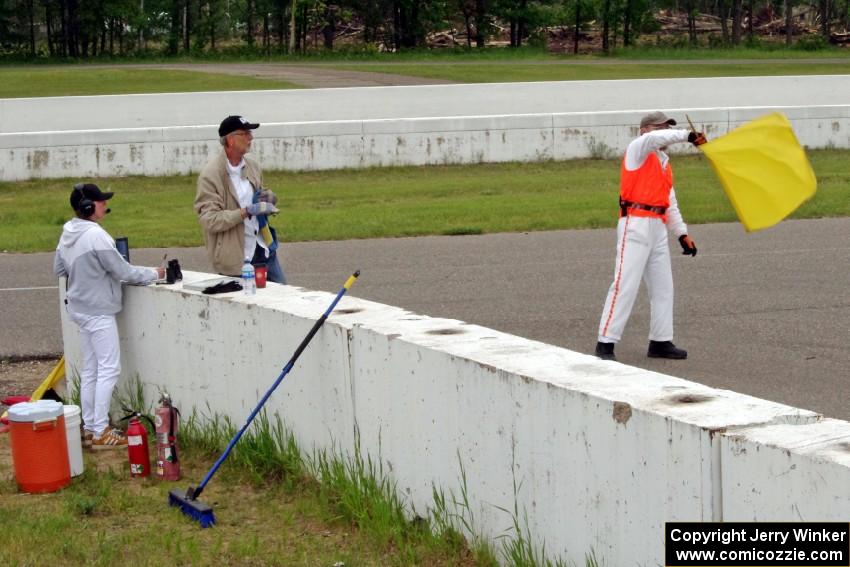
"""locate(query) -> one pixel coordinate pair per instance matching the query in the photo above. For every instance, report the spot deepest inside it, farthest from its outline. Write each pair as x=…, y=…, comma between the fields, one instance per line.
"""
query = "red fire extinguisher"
x=167, y=461
x=137, y=447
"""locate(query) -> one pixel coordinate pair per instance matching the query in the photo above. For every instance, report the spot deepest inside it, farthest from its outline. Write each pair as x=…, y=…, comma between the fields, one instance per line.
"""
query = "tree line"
x=92, y=28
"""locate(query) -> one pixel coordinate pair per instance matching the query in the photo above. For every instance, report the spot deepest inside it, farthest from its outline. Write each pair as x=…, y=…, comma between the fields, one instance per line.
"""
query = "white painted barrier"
x=381, y=126
x=602, y=453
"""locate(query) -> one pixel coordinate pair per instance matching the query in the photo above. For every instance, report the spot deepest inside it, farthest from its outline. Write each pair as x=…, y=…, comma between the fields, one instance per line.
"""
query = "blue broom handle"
x=283, y=373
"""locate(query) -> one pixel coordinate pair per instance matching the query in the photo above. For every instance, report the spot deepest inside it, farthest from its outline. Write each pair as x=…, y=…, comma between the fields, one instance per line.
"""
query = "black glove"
x=688, y=246
x=223, y=287
x=697, y=138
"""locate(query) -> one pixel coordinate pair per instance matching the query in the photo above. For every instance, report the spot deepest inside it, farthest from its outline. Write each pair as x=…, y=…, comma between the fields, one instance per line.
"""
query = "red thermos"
x=137, y=448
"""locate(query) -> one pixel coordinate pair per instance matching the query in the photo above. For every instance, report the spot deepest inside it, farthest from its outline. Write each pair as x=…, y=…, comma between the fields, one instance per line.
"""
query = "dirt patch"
x=21, y=378
x=309, y=76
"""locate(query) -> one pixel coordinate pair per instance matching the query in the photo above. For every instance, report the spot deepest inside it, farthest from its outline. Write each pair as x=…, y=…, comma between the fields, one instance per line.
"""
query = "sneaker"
x=87, y=437
x=605, y=351
x=665, y=349
x=111, y=438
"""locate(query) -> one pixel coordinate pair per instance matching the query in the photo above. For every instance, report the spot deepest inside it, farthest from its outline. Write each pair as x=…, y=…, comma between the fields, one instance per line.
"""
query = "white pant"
x=642, y=252
x=101, y=367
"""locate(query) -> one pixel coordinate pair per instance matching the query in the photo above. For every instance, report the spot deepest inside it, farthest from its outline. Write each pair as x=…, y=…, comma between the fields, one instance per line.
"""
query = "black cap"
x=233, y=123
x=90, y=191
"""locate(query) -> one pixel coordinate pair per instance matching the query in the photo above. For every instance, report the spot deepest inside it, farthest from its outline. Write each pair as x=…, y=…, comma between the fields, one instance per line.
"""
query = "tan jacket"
x=219, y=213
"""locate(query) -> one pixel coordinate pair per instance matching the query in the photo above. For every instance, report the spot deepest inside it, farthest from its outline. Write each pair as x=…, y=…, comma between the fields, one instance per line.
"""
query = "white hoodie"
x=86, y=254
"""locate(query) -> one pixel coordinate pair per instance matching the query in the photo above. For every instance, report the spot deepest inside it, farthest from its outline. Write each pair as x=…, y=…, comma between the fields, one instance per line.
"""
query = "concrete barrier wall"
x=382, y=126
x=373, y=143
x=602, y=454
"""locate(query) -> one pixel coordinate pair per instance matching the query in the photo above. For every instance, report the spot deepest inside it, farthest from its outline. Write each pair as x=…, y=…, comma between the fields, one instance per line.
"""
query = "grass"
x=274, y=505
x=356, y=490
x=391, y=202
x=106, y=518
x=775, y=51
x=18, y=82
x=461, y=65
x=567, y=70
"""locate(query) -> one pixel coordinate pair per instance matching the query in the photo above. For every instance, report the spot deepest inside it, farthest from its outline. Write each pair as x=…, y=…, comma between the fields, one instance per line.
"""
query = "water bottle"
x=249, y=284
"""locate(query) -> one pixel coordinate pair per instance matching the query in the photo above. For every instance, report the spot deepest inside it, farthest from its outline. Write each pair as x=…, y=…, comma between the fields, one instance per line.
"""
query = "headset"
x=86, y=206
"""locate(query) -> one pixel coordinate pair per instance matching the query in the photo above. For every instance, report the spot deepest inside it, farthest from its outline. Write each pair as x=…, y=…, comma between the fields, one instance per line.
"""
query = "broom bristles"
x=198, y=511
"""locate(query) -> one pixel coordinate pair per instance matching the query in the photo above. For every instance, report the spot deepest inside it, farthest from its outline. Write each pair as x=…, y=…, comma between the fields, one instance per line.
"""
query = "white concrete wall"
x=380, y=126
x=603, y=453
x=374, y=143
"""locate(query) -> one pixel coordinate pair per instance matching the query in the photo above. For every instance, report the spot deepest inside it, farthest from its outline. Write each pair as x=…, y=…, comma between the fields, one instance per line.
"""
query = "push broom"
x=188, y=500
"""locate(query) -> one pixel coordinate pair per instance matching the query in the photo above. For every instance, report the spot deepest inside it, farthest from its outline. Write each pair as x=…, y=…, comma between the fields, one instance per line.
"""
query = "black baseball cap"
x=233, y=123
x=90, y=191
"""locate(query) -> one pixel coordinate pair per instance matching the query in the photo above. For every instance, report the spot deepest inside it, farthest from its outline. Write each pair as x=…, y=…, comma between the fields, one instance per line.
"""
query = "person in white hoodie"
x=87, y=257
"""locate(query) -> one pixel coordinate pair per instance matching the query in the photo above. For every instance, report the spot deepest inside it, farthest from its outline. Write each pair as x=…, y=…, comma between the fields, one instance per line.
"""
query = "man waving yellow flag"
x=763, y=169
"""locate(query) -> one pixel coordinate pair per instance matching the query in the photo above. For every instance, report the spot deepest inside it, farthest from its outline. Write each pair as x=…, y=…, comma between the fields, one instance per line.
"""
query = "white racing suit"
x=642, y=244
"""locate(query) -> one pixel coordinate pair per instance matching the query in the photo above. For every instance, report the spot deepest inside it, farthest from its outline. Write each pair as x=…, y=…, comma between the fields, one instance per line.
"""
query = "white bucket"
x=75, y=444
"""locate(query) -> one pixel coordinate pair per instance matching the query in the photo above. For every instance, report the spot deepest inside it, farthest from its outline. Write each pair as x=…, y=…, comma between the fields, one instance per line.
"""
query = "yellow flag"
x=763, y=170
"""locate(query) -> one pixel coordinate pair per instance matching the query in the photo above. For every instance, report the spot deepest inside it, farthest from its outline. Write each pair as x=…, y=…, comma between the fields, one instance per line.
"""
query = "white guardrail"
x=165, y=134
x=603, y=453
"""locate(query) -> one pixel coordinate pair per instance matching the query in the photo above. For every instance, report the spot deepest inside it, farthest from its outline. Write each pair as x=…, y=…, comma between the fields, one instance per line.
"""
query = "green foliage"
x=71, y=81
x=811, y=43
x=353, y=489
x=404, y=201
x=498, y=72
x=716, y=41
x=73, y=382
x=360, y=490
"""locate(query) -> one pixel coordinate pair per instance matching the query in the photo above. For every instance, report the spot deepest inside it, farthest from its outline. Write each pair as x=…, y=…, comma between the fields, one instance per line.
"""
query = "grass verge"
x=107, y=518
x=461, y=65
x=391, y=202
x=356, y=490
x=18, y=82
x=563, y=70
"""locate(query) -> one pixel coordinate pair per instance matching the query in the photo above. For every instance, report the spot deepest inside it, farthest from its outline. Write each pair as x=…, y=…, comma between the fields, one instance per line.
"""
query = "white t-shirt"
x=245, y=194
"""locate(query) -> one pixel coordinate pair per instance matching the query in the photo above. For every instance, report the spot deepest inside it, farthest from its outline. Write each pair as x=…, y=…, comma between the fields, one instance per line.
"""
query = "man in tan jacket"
x=229, y=201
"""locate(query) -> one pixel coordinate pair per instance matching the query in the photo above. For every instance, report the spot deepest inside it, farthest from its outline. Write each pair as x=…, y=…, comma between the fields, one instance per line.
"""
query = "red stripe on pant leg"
x=617, y=280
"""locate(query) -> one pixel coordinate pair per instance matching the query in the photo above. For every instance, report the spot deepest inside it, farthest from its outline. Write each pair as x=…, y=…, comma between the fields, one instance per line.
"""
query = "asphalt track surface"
x=765, y=314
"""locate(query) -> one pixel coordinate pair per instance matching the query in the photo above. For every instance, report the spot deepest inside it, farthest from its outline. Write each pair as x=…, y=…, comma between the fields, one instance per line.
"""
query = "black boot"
x=665, y=349
x=605, y=351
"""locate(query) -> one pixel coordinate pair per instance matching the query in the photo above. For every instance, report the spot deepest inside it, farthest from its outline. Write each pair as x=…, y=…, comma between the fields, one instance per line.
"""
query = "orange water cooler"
x=39, y=446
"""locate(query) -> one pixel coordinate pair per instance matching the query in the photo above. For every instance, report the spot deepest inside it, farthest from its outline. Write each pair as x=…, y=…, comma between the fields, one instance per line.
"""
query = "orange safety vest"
x=649, y=186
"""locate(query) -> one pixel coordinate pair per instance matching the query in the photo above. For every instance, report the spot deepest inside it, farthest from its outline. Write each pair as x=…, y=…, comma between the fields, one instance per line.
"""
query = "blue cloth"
x=274, y=272
x=262, y=223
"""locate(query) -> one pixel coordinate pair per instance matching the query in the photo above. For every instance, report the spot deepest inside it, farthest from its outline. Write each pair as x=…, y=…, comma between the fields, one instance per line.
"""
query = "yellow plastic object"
x=763, y=169
x=55, y=375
